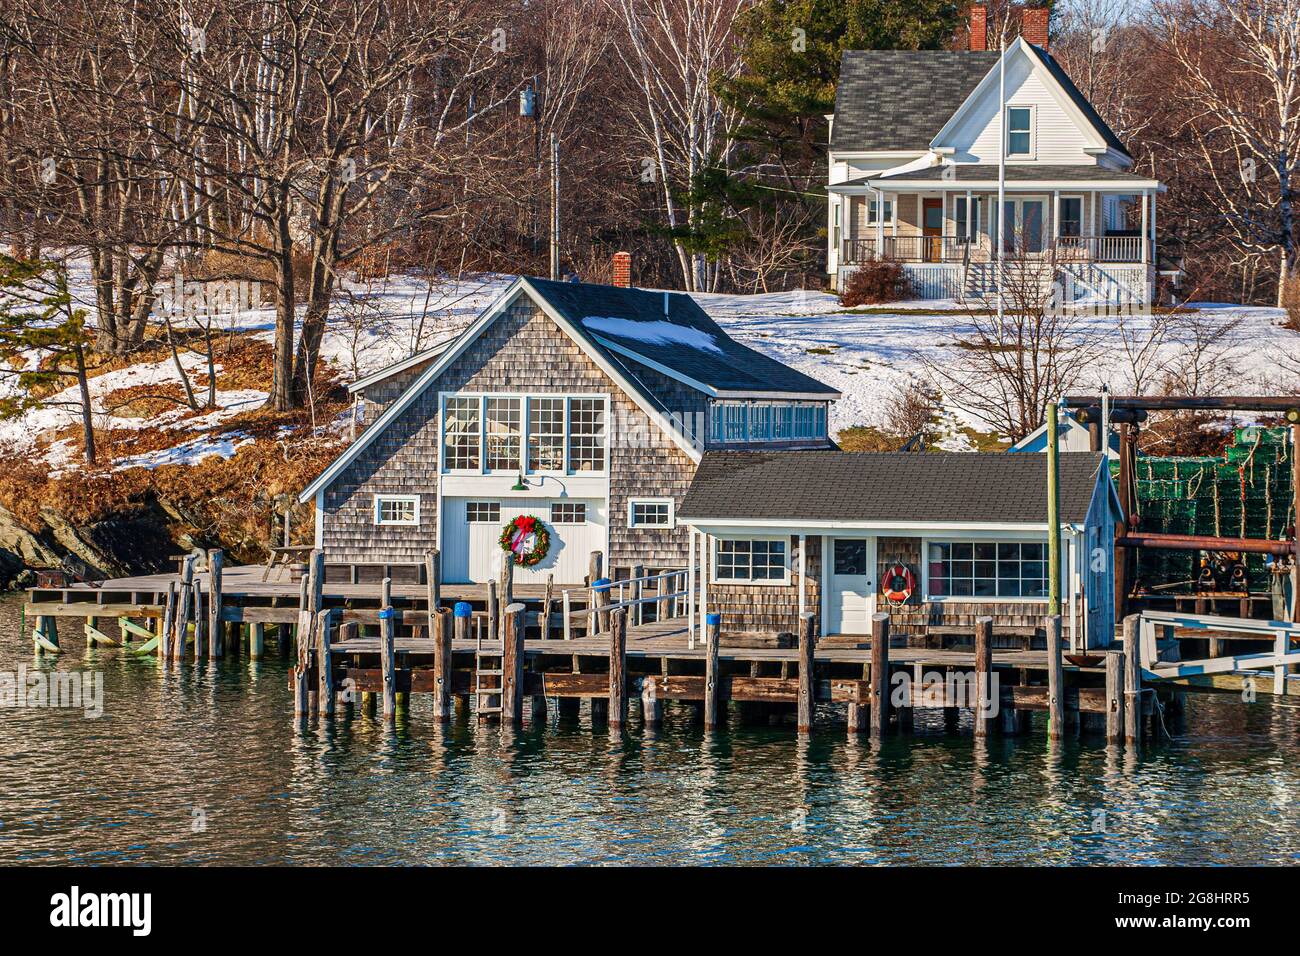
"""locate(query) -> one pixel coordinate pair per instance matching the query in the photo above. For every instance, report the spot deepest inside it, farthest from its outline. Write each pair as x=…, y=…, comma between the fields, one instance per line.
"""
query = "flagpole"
x=1002, y=163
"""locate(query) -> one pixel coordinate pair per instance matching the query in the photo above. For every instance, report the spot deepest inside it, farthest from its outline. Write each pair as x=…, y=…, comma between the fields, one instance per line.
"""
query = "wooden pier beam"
x=1132, y=683
x=441, y=629
x=216, y=628
x=618, y=670
x=493, y=612
x=548, y=605
x=200, y=623
x=879, y=673
x=1055, y=680
x=601, y=600
x=986, y=696
x=806, y=666
x=506, y=592
x=712, y=684
x=1115, y=697
x=512, y=664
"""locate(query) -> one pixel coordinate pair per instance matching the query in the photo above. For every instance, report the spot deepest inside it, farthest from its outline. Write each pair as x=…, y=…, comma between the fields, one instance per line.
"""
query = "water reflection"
x=203, y=765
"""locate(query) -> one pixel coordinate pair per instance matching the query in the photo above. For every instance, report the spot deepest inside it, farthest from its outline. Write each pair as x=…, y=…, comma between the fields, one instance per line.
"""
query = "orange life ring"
x=900, y=582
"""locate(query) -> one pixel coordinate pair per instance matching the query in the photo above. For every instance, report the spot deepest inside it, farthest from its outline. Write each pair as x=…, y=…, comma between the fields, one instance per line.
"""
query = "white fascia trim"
x=398, y=367
x=412, y=392
x=1020, y=185
x=794, y=527
x=783, y=396
x=657, y=366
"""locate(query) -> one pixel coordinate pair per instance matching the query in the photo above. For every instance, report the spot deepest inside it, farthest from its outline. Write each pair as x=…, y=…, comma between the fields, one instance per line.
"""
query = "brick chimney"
x=1033, y=25
x=623, y=270
x=978, y=28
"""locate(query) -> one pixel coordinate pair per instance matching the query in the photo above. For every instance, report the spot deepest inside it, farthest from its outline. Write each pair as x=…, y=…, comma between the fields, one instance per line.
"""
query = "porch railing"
x=955, y=249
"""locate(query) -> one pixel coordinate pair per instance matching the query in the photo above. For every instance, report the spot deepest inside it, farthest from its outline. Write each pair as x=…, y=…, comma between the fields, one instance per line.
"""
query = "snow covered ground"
x=866, y=354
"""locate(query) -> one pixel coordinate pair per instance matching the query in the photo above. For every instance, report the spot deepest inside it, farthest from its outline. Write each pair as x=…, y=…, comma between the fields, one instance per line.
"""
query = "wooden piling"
x=506, y=593
x=1115, y=697
x=1055, y=679
x=1132, y=683
x=257, y=641
x=442, y=658
x=301, y=692
x=548, y=604
x=879, y=673
x=388, y=655
x=348, y=631
x=860, y=713
x=652, y=709
x=712, y=688
x=636, y=592
x=618, y=670
x=986, y=692
x=324, y=675
x=461, y=617
x=433, y=580
x=216, y=628
x=601, y=600
x=168, y=624
x=184, y=598
x=46, y=635
x=512, y=664
x=200, y=623
x=806, y=667
x=493, y=612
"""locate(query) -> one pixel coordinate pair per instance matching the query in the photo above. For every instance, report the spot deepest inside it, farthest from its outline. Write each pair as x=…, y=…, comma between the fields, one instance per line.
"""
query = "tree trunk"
x=282, y=398
x=83, y=387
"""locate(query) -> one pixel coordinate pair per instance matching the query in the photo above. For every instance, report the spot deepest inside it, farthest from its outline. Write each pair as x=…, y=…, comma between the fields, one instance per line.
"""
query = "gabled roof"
x=666, y=331
x=899, y=99
x=402, y=365
x=848, y=487
x=903, y=99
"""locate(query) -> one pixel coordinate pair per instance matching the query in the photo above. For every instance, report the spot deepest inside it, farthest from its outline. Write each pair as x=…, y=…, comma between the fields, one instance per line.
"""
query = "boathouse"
x=936, y=540
x=573, y=413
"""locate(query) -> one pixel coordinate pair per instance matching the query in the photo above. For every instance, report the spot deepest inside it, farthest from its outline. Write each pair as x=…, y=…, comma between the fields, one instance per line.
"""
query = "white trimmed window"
x=546, y=434
x=568, y=512
x=650, y=513
x=482, y=512
x=735, y=422
x=1020, y=131
x=749, y=560
x=462, y=432
x=871, y=212
x=397, y=509
x=504, y=428
x=502, y=434
x=586, y=434
x=987, y=569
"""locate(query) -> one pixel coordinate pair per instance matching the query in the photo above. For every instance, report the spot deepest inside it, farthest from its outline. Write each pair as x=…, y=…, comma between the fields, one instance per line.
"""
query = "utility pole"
x=555, y=207
x=1053, y=512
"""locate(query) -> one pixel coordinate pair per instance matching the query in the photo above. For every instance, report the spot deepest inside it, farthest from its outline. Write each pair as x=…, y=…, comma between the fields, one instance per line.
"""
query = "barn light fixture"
x=520, y=484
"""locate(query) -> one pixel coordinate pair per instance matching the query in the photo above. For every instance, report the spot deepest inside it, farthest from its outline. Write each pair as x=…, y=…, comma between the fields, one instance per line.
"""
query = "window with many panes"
x=1071, y=216
x=1020, y=131
x=745, y=560
x=650, y=513
x=546, y=434
x=462, y=433
x=734, y=422
x=1002, y=569
x=482, y=512
x=504, y=430
x=586, y=434
x=967, y=226
x=568, y=512
x=397, y=509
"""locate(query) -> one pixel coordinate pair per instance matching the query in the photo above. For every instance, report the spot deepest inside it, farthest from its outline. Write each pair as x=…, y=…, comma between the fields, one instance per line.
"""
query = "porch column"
x=803, y=582
x=970, y=219
x=880, y=224
x=1146, y=220
x=1154, y=257
x=1056, y=215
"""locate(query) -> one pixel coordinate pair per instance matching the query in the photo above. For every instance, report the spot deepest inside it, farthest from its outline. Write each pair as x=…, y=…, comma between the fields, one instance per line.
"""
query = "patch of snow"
x=187, y=453
x=657, y=332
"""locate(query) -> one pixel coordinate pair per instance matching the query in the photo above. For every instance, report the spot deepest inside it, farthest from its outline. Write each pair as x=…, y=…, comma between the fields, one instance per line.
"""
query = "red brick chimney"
x=1033, y=25
x=623, y=270
x=978, y=28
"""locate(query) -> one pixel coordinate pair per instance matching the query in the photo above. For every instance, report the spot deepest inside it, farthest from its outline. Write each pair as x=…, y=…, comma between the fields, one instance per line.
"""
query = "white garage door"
x=471, y=528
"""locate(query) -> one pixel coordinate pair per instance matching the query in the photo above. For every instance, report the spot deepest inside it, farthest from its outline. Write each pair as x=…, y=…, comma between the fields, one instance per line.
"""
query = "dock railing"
x=1159, y=635
x=605, y=596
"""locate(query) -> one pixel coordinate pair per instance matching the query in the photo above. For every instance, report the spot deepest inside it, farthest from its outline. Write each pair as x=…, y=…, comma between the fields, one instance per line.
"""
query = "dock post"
x=987, y=700
x=1055, y=680
x=200, y=624
x=348, y=631
x=216, y=628
x=433, y=576
x=168, y=624
x=860, y=713
x=388, y=656
x=46, y=636
x=184, y=597
x=440, y=627
x=301, y=692
x=324, y=672
x=493, y=612
x=652, y=709
x=806, y=666
x=618, y=670
x=548, y=602
x=879, y=673
x=636, y=592
x=1132, y=683
x=506, y=593
x=257, y=640
x=712, y=637
x=462, y=615
x=1115, y=697
x=601, y=599
x=512, y=665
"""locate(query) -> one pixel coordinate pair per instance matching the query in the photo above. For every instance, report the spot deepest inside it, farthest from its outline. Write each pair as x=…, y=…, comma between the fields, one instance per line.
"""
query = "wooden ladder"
x=487, y=697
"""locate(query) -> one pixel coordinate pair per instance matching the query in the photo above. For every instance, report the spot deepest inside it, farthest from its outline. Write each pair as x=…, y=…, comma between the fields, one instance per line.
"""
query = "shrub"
x=875, y=282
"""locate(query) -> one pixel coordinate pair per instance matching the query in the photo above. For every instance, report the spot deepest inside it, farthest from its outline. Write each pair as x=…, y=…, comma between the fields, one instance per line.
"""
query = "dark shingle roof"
x=859, y=486
x=641, y=326
x=979, y=172
x=900, y=99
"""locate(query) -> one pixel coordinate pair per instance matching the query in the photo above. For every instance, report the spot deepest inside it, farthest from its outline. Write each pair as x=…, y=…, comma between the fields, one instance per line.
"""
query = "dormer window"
x=1020, y=131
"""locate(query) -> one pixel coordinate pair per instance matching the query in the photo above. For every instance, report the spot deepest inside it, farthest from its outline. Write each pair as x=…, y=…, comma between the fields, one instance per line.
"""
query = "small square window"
x=397, y=509
x=568, y=512
x=650, y=514
x=482, y=512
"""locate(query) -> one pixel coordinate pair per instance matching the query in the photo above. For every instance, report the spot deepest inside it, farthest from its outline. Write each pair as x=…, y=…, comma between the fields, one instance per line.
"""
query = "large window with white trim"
x=738, y=422
x=749, y=560
x=987, y=569
x=503, y=434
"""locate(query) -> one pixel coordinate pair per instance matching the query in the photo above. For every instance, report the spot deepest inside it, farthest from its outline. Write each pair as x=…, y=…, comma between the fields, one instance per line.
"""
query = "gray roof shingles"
x=729, y=367
x=859, y=486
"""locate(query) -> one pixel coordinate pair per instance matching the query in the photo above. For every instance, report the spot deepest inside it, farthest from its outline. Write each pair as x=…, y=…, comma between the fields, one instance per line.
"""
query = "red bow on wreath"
x=524, y=526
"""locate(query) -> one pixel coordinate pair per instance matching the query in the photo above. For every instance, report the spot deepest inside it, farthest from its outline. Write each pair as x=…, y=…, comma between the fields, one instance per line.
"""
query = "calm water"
x=204, y=767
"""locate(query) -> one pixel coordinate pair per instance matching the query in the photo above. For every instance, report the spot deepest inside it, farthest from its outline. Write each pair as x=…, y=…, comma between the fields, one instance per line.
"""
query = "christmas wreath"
x=527, y=539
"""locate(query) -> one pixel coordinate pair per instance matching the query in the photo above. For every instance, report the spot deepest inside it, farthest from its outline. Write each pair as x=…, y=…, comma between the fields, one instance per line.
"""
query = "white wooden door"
x=851, y=585
x=471, y=531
